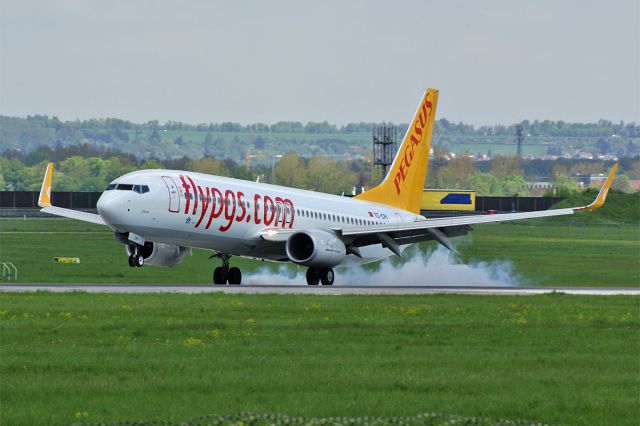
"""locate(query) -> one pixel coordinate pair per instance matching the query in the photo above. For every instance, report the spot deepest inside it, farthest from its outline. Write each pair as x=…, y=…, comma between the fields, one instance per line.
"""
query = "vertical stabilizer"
x=403, y=185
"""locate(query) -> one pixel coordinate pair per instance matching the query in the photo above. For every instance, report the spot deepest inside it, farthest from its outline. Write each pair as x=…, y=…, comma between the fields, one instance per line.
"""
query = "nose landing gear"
x=224, y=274
x=316, y=276
x=135, y=258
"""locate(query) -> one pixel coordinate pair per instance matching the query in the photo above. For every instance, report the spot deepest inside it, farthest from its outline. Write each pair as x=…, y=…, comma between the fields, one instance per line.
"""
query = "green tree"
x=483, y=183
x=82, y=174
x=115, y=167
x=290, y=171
x=325, y=175
x=503, y=166
x=454, y=174
x=621, y=183
x=15, y=174
x=209, y=165
x=565, y=186
x=155, y=138
x=208, y=144
x=151, y=164
x=513, y=186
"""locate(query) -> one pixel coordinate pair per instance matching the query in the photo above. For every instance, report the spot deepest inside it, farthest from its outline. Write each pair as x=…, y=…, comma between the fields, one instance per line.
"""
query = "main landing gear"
x=135, y=258
x=316, y=276
x=224, y=274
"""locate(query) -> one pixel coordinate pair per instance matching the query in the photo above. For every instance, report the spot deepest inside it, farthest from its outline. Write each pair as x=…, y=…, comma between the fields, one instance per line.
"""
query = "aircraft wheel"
x=313, y=278
x=139, y=260
x=132, y=261
x=219, y=276
x=327, y=276
x=234, y=276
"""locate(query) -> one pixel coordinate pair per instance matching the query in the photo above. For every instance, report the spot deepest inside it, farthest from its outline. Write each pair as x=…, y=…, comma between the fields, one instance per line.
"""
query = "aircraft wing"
x=44, y=201
x=440, y=229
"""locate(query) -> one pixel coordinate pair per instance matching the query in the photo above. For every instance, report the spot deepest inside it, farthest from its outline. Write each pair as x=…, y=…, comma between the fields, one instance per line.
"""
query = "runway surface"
x=316, y=290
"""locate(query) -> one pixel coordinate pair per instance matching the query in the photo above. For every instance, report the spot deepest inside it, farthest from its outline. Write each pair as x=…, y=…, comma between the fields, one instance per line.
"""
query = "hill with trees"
x=260, y=142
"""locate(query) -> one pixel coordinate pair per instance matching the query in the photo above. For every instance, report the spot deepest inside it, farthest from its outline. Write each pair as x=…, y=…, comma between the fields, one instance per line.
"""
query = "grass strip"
x=124, y=357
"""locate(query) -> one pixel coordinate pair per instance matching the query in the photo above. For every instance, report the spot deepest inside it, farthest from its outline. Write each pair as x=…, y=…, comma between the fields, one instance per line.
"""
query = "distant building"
x=540, y=187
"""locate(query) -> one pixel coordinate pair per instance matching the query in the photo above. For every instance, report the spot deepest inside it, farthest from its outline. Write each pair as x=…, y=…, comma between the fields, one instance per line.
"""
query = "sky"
x=199, y=61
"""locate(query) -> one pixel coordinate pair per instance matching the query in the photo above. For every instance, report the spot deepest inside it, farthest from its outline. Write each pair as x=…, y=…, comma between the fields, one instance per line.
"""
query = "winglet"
x=602, y=195
x=44, y=200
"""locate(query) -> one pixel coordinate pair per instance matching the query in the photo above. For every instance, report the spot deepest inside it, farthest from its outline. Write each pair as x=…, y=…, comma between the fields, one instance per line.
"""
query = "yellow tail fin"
x=404, y=184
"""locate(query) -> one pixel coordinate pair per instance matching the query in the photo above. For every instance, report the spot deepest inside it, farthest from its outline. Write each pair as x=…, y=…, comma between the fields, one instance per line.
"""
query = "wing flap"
x=454, y=221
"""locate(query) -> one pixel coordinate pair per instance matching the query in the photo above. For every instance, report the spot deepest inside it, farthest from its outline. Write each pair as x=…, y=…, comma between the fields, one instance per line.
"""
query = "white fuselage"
x=227, y=215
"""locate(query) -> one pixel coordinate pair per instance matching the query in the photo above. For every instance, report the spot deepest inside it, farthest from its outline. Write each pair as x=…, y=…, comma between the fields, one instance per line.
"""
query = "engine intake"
x=318, y=249
x=160, y=254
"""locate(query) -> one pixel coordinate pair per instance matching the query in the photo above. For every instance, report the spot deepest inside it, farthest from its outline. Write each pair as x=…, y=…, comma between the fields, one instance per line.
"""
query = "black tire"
x=219, y=276
x=327, y=276
x=234, y=276
x=132, y=262
x=139, y=261
x=313, y=278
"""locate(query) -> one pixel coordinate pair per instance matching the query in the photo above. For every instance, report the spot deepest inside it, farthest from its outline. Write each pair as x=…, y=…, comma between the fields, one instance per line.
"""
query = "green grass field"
x=107, y=357
x=564, y=254
x=541, y=253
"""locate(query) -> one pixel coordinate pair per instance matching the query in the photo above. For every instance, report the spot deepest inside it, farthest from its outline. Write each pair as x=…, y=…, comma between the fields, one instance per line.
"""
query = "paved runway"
x=319, y=290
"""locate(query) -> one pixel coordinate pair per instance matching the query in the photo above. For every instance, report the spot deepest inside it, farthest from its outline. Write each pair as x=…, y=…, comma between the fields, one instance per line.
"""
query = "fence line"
x=88, y=200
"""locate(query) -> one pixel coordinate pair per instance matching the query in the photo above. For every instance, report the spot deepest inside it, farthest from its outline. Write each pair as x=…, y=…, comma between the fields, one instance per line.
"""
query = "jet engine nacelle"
x=315, y=248
x=160, y=254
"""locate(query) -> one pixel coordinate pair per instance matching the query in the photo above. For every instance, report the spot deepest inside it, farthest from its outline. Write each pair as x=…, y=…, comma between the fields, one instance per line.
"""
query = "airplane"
x=160, y=215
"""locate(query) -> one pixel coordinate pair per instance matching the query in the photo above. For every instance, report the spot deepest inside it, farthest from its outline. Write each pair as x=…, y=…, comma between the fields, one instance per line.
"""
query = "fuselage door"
x=288, y=214
x=174, y=196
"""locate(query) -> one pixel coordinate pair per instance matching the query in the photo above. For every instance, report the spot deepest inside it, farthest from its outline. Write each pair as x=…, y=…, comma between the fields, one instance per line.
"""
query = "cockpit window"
x=140, y=189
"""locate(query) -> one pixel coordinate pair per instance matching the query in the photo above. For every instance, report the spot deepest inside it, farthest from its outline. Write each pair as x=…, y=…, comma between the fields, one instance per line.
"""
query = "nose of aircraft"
x=112, y=207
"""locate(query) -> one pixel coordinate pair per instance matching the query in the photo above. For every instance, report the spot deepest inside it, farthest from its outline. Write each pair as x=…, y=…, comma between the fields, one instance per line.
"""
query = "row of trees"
x=501, y=176
x=152, y=138
x=601, y=128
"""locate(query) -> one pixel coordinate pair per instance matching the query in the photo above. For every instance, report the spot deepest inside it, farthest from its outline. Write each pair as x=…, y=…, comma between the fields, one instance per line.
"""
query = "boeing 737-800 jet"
x=159, y=215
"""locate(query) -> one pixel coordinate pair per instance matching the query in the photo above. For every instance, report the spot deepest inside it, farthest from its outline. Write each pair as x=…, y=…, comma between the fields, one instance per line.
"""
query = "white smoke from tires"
x=417, y=267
